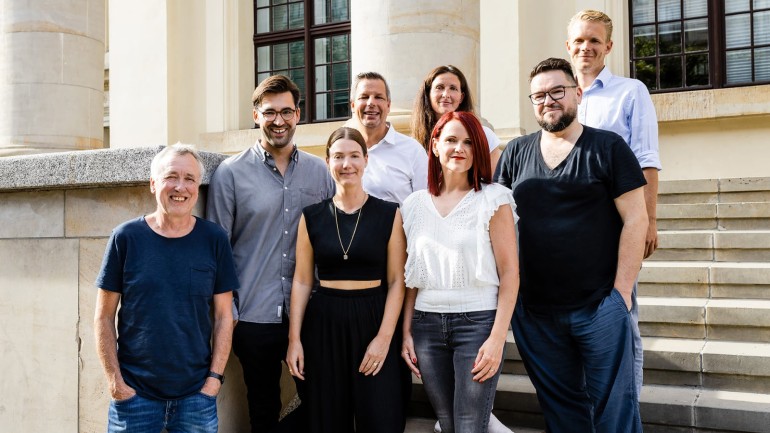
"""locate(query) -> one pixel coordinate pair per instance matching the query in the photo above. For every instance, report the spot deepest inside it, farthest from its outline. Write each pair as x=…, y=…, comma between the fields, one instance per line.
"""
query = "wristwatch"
x=217, y=376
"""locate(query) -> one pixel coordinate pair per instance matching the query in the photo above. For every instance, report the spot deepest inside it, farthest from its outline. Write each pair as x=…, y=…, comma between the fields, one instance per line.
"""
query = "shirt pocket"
x=201, y=281
x=308, y=196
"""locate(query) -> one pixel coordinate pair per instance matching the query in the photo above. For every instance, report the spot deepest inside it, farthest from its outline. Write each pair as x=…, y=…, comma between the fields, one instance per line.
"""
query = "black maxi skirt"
x=338, y=327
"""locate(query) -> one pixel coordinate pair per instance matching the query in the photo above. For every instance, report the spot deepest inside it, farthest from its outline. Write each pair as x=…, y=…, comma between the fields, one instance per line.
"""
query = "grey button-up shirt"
x=260, y=211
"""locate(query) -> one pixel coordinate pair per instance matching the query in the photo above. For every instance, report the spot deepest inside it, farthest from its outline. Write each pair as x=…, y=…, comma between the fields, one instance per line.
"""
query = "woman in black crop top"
x=341, y=339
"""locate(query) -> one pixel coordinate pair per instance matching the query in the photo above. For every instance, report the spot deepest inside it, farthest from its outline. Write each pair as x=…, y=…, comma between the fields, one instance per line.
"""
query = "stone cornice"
x=86, y=168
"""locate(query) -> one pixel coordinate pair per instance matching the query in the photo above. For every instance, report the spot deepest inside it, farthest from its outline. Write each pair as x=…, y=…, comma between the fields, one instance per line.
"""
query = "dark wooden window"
x=700, y=44
x=308, y=41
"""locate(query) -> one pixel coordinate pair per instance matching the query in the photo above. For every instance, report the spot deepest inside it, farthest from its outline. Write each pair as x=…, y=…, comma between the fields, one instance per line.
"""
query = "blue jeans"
x=194, y=414
x=447, y=345
x=582, y=365
x=638, y=349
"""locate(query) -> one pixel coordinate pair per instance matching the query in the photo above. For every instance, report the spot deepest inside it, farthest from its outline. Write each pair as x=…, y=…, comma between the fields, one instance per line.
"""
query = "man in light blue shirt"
x=621, y=105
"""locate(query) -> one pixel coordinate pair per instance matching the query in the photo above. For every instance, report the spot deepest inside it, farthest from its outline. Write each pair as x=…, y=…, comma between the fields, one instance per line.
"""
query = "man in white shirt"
x=398, y=165
x=623, y=106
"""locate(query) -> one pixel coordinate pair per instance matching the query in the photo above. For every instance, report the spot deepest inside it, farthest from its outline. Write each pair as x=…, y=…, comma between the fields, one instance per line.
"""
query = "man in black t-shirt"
x=579, y=193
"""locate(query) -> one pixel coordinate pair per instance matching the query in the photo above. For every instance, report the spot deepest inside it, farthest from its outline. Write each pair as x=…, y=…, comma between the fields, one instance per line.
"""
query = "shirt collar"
x=390, y=136
x=604, y=78
x=267, y=157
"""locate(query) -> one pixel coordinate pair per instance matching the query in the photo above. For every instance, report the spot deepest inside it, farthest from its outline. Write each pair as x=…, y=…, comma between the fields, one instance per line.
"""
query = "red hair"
x=481, y=170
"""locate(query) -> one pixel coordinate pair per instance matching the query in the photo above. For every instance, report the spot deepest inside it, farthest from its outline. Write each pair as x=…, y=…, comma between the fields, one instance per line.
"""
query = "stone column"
x=51, y=75
x=404, y=40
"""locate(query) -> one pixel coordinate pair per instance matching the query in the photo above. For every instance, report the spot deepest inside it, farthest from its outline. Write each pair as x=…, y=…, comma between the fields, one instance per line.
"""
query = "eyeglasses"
x=556, y=93
x=269, y=115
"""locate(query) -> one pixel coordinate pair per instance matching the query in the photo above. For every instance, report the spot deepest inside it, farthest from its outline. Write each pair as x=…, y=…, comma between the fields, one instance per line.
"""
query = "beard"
x=278, y=143
x=564, y=121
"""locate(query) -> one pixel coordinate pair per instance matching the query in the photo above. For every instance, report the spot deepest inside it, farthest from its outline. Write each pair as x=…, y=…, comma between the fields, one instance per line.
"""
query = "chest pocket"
x=201, y=281
x=308, y=196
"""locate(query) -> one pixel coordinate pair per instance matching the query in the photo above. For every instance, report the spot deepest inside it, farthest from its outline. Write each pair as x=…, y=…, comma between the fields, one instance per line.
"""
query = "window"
x=697, y=44
x=308, y=41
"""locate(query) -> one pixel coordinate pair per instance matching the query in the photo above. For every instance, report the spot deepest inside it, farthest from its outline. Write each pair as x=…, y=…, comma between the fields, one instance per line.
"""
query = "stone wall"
x=57, y=212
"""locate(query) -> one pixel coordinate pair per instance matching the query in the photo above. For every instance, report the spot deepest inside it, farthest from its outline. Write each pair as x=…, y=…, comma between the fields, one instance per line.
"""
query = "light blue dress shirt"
x=623, y=106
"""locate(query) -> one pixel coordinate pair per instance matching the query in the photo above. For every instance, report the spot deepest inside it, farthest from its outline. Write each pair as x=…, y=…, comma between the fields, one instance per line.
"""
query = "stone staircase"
x=704, y=300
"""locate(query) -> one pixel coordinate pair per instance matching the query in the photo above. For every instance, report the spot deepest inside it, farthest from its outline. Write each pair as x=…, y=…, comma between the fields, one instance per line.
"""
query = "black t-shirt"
x=368, y=253
x=569, y=231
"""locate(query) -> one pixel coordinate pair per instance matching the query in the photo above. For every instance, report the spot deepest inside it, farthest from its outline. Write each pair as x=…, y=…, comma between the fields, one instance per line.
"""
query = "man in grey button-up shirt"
x=258, y=196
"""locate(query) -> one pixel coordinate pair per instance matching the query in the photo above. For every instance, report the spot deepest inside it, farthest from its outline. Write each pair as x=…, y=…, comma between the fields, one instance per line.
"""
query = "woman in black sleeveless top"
x=341, y=339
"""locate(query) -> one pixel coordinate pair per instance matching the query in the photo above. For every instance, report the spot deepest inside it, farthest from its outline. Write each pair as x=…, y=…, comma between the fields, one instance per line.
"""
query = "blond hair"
x=591, y=15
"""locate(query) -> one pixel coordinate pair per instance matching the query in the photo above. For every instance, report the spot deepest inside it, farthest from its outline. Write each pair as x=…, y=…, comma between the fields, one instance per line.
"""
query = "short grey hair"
x=367, y=76
x=177, y=149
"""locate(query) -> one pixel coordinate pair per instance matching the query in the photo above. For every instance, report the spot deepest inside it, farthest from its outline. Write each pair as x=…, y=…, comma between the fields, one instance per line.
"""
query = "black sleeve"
x=627, y=175
x=504, y=171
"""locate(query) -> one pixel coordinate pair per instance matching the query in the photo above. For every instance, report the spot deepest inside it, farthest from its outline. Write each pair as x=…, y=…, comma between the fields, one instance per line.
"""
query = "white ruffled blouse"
x=450, y=258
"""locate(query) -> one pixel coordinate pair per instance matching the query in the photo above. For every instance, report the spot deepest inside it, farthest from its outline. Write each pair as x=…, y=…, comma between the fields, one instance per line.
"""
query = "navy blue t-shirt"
x=166, y=286
x=569, y=227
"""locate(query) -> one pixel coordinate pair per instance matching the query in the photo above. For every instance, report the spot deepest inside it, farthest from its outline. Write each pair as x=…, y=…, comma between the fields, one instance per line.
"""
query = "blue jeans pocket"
x=126, y=400
x=618, y=299
x=418, y=316
x=481, y=318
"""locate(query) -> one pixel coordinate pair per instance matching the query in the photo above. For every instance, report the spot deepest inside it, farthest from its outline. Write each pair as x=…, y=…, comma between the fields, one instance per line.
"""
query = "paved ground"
x=423, y=425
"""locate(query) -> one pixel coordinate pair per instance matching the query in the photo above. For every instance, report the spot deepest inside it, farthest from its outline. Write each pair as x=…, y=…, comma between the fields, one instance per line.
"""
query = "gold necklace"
x=336, y=223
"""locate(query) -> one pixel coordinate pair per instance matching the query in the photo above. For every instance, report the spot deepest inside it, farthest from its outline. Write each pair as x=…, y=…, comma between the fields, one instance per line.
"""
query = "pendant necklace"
x=336, y=223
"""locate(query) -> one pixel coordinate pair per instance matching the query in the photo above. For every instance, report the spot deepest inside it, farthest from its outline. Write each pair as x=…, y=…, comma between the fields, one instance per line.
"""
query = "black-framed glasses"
x=269, y=115
x=556, y=93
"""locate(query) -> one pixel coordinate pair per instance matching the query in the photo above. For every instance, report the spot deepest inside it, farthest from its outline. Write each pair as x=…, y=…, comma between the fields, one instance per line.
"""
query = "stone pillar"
x=51, y=76
x=404, y=40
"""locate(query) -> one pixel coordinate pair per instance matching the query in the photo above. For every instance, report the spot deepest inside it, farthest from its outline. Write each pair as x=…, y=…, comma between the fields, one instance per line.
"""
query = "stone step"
x=664, y=409
x=425, y=425
x=713, y=245
x=718, y=319
x=750, y=280
x=714, y=191
x=712, y=216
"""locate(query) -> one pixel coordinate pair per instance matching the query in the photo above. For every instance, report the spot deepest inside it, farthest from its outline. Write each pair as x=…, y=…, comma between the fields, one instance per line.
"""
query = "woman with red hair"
x=462, y=269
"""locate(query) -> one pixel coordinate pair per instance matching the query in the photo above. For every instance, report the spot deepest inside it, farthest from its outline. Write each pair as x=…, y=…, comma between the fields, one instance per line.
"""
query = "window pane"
x=695, y=8
x=340, y=10
x=644, y=41
x=263, y=58
x=761, y=4
x=736, y=6
x=262, y=76
x=297, y=54
x=697, y=70
x=298, y=76
x=322, y=106
x=280, y=56
x=319, y=10
x=341, y=76
x=263, y=3
x=322, y=51
x=670, y=72
x=670, y=37
x=644, y=11
x=321, y=79
x=669, y=10
x=696, y=35
x=762, y=64
x=762, y=28
x=341, y=104
x=263, y=20
x=280, y=18
x=296, y=15
x=738, y=66
x=340, y=48
x=738, y=31
x=278, y=2
x=644, y=70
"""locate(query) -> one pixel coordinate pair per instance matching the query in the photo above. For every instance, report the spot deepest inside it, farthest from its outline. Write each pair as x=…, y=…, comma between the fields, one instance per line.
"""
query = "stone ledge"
x=86, y=168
